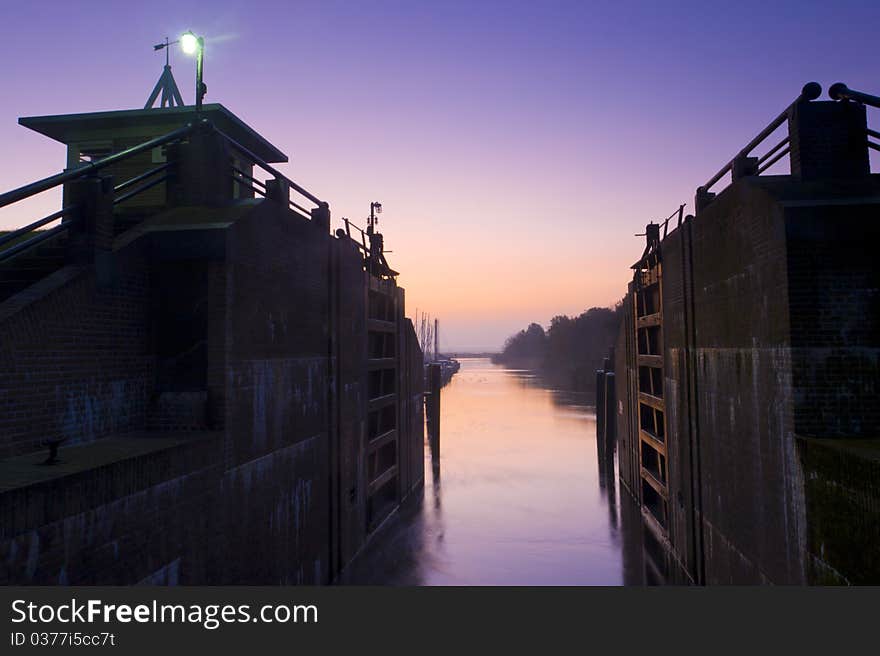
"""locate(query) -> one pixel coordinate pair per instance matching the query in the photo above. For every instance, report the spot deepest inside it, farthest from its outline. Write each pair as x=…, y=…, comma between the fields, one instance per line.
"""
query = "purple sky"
x=516, y=147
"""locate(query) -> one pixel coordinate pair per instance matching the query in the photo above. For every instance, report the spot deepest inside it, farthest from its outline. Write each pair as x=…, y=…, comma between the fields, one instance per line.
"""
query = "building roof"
x=149, y=123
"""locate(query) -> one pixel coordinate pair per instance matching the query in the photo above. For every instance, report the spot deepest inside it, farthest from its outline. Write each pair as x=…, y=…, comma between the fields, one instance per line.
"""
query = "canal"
x=520, y=497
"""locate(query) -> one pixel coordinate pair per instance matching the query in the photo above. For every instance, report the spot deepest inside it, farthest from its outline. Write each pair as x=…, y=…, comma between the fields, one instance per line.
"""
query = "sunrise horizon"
x=483, y=131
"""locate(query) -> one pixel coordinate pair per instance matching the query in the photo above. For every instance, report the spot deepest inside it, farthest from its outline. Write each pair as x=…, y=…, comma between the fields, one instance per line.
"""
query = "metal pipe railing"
x=363, y=245
x=251, y=179
x=249, y=182
x=151, y=181
x=810, y=91
x=15, y=234
x=769, y=153
x=140, y=190
x=247, y=185
x=839, y=91
x=300, y=208
x=268, y=167
x=782, y=153
x=35, y=240
x=138, y=178
x=60, y=178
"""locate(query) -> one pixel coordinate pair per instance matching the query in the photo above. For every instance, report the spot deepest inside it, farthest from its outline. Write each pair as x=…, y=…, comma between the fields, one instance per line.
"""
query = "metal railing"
x=152, y=173
x=44, y=235
x=249, y=182
x=125, y=191
x=839, y=91
x=679, y=213
x=363, y=243
x=67, y=214
x=810, y=91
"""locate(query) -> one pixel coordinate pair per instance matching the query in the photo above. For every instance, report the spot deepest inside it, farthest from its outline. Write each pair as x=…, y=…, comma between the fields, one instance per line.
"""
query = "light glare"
x=189, y=43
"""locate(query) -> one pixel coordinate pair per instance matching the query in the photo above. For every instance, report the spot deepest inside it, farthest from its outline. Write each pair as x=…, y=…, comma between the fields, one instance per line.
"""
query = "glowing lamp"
x=190, y=43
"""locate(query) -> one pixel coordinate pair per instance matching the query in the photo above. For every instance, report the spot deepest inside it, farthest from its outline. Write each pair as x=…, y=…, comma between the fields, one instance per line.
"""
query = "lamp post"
x=196, y=44
x=375, y=208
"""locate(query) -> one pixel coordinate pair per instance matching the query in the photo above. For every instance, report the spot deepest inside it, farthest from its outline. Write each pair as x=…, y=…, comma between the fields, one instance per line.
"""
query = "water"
x=520, y=497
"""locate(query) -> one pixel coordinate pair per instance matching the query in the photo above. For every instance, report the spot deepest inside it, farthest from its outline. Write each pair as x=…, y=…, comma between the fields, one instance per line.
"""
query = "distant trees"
x=570, y=351
x=528, y=344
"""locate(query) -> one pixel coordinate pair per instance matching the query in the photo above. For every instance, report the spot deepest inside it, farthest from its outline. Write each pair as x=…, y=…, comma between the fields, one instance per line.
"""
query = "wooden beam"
x=379, y=326
x=652, y=401
x=380, y=441
x=381, y=363
x=649, y=320
x=659, y=488
x=381, y=480
x=381, y=401
x=651, y=440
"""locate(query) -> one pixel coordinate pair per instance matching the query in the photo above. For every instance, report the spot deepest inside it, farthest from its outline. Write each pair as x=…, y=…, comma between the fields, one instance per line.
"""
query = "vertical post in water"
x=434, y=383
x=610, y=410
x=600, y=406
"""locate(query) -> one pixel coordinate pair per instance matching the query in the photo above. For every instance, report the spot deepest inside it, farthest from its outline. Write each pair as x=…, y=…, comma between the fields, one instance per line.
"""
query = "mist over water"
x=520, y=498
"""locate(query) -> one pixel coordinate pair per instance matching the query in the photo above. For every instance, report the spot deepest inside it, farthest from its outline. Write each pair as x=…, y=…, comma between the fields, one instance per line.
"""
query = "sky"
x=516, y=147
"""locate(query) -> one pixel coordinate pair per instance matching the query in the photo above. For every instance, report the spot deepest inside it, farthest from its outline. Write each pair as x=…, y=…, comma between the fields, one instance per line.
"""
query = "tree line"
x=569, y=351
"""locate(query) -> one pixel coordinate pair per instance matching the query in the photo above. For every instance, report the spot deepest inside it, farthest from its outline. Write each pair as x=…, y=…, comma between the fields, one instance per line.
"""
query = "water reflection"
x=528, y=496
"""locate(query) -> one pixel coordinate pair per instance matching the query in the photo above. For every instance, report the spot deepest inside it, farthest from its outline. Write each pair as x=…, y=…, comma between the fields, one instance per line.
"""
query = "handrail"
x=59, y=178
x=140, y=183
x=679, y=212
x=138, y=190
x=250, y=179
x=14, y=234
x=839, y=91
x=363, y=245
x=142, y=176
x=810, y=91
x=769, y=153
x=33, y=241
x=250, y=182
x=782, y=153
x=256, y=159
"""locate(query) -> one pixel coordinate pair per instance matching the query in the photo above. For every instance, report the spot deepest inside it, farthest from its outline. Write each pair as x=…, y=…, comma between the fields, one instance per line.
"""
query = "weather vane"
x=166, y=84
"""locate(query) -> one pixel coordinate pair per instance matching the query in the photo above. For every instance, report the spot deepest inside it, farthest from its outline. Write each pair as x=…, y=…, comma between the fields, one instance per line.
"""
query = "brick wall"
x=833, y=282
x=248, y=480
x=770, y=335
x=277, y=398
x=148, y=508
x=350, y=304
x=77, y=362
x=750, y=505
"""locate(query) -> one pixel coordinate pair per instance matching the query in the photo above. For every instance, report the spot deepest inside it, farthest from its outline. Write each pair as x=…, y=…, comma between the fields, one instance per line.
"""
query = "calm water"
x=520, y=498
